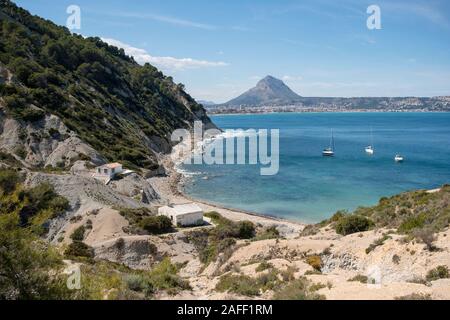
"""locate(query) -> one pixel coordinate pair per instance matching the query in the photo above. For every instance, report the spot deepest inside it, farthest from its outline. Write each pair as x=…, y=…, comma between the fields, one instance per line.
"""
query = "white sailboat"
x=329, y=152
x=369, y=149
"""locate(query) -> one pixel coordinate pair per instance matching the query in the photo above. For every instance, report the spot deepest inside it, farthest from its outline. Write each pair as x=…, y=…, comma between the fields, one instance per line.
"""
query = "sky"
x=220, y=48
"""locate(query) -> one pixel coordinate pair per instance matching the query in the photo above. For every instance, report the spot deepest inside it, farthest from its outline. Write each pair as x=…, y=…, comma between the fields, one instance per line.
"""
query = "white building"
x=183, y=214
x=108, y=171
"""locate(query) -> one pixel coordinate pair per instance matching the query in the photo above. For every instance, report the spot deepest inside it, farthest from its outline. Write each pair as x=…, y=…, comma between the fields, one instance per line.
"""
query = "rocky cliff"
x=64, y=97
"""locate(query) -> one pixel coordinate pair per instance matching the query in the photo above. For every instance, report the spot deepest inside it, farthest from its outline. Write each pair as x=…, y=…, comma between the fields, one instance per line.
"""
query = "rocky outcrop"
x=84, y=194
x=141, y=252
x=136, y=252
x=134, y=186
x=43, y=143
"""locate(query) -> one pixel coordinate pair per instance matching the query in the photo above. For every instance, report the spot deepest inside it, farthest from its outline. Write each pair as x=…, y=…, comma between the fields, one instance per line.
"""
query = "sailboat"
x=369, y=149
x=329, y=152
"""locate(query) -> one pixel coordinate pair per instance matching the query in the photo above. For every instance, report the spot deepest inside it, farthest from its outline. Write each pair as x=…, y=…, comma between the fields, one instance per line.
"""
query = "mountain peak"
x=268, y=91
x=269, y=80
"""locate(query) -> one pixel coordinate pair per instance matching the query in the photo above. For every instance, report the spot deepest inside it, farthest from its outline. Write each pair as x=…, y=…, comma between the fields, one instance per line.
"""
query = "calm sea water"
x=310, y=187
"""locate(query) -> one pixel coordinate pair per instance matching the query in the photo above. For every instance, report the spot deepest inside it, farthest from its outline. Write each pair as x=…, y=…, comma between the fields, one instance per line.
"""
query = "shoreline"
x=317, y=111
x=169, y=188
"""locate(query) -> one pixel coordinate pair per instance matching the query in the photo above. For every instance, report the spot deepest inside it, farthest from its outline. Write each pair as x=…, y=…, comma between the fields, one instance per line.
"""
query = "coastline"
x=317, y=111
x=169, y=188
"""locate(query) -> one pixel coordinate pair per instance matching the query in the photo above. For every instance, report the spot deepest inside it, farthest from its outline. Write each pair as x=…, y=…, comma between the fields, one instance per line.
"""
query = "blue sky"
x=220, y=48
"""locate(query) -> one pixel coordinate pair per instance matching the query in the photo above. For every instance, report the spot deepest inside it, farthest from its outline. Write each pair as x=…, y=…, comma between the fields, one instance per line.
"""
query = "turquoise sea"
x=309, y=187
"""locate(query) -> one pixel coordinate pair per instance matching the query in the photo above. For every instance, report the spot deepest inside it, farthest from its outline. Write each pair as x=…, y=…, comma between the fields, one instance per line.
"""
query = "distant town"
x=435, y=104
x=273, y=95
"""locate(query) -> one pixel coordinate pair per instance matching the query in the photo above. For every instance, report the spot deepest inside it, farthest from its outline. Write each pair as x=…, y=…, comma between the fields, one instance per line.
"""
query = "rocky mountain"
x=268, y=91
x=64, y=97
x=271, y=94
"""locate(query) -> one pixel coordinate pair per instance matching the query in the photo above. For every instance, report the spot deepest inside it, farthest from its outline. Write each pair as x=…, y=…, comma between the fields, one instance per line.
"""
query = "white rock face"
x=47, y=142
x=84, y=194
x=135, y=186
x=136, y=252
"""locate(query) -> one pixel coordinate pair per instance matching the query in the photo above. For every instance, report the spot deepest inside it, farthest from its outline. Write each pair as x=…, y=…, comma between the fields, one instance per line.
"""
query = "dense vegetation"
x=34, y=207
x=25, y=259
x=417, y=214
x=119, y=107
x=145, y=221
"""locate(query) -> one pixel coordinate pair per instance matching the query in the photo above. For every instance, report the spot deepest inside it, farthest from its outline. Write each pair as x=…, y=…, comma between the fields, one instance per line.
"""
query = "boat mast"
x=332, y=141
x=371, y=137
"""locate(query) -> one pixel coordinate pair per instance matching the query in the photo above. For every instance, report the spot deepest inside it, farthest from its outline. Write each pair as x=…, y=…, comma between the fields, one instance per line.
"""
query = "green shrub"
x=79, y=249
x=227, y=228
x=164, y=277
x=78, y=234
x=246, y=230
x=396, y=259
x=263, y=266
x=427, y=236
x=412, y=223
x=337, y=216
x=30, y=267
x=156, y=224
x=267, y=233
x=440, y=272
x=415, y=296
x=377, y=243
x=359, y=278
x=314, y=261
x=239, y=284
x=42, y=197
x=135, y=217
x=299, y=289
x=135, y=282
x=312, y=272
x=8, y=181
x=351, y=224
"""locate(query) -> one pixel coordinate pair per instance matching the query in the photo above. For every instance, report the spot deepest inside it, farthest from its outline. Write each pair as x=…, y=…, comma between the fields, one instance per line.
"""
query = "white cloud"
x=166, y=63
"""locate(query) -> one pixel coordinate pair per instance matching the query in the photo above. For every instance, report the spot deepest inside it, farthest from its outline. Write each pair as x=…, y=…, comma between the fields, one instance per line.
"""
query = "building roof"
x=180, y=209
x=111, y=165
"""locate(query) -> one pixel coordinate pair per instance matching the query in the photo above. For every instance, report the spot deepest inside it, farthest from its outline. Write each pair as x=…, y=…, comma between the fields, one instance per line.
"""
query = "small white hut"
x=183, y=214
x=108, y=171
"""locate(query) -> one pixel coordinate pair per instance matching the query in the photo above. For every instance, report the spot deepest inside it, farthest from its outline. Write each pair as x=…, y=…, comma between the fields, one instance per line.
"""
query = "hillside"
x=268, y=91
x=55, y=85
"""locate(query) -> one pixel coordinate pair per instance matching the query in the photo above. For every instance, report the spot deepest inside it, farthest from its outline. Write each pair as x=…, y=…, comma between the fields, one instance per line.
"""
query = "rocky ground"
x=395, y=268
